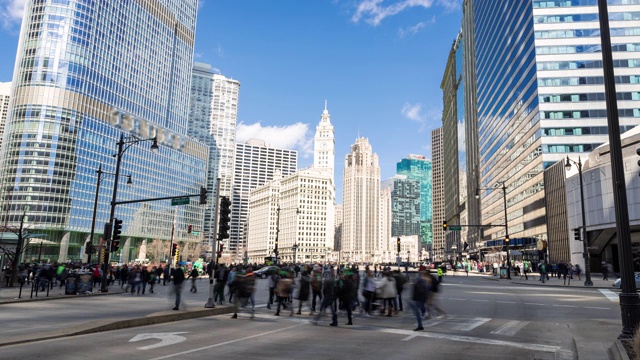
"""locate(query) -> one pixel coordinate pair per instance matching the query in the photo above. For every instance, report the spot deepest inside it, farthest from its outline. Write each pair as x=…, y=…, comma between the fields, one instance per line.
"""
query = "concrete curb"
x=58, y=297
x=617, y=351
x=535, y=283
x=108, y=325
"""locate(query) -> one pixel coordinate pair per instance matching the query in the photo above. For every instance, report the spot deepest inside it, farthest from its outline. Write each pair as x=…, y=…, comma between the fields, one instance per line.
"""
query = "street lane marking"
x=225, y=343
x=564, y=305
x=430, y=323
x=470, y=325
x=480, y=300
x=596, y=307
x=610, y=295
x=166, y=339
x=534, y=304
x=506, y=302
x=510, y=328
x=470, y=339
x=409, y=337
x=457, y=299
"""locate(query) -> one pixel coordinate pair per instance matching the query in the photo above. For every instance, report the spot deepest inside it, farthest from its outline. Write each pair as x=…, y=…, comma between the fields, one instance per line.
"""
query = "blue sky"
x=378, y=63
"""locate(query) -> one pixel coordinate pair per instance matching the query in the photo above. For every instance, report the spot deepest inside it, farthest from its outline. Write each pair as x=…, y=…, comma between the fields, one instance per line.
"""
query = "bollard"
x=32, y=285
x=48, y=288
x=20, y=291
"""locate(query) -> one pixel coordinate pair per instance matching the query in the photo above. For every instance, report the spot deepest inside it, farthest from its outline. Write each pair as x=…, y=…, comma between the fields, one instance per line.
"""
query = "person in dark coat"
x=178, y=278
x=346, y=293
x=303, y=292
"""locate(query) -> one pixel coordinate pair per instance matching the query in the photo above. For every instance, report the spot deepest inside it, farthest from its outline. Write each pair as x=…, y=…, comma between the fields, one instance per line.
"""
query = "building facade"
x=256, y=163
x=540, y=98
x=418, y=167
x=361, y=196
x=405, y=205
x=5, y=91
x=213, y=113
x=438, y=249
x=101, y=71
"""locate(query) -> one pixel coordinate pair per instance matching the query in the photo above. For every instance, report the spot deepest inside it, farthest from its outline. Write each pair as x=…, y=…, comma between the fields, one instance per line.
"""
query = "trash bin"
x=85, y=283
x=71, y=284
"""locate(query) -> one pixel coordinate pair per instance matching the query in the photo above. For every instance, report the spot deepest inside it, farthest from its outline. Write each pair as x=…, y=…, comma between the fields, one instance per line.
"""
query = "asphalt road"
x=486, y=320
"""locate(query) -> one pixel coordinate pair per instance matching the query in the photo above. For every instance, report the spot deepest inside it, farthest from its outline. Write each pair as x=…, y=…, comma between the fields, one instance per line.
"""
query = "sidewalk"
x=596, y=279
x=10, y=295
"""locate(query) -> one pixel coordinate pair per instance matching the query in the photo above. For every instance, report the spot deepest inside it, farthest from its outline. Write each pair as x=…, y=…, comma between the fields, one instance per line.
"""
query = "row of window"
x=573, y=33
x=585, y=64
x=586, y=80
x=591, y=48
x=593, y=130
x=572, y=148
x=583, y=114
x=569, y=3
x=620, y=16
x=554, y=98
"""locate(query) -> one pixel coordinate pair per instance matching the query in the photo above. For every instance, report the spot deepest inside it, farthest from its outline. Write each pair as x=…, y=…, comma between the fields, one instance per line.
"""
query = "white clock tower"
x=324, y=149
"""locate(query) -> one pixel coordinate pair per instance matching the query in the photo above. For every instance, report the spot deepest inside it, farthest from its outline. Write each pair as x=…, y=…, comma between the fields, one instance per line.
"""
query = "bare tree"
x=22, y=245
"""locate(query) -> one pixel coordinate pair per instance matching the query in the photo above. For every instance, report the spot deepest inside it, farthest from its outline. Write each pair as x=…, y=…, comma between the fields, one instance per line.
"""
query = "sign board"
x=196, y=233
x=455, y=227
x=180, y=201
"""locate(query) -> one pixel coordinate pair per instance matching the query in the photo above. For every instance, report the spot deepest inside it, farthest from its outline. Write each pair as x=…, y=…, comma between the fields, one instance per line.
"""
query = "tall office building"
x=418, y=167
x=5, y=91
x=386, y=250
x=438, y=249
x=213, y=113
x=540, y=98
x=405, y=205
x=87, y=74
x=256, y=163
x=360, y=201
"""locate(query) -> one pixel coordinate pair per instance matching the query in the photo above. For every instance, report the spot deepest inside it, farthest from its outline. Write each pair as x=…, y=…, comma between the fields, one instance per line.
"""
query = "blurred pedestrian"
x=303, y=290
x=418, y=298
x=178, y=278
x=328, y=298
x=194, y=276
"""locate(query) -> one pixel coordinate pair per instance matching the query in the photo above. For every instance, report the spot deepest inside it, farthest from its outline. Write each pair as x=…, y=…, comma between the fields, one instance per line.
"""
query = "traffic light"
x=106, y=232
x=398, y=242
x=576, y=234
x=203, y=195
x=189, y=229
x=506, y=239
x=220, y=251
x=174, y=249
x=117, y=230
x=444, y=225
x=88, y=249
x=225, y=210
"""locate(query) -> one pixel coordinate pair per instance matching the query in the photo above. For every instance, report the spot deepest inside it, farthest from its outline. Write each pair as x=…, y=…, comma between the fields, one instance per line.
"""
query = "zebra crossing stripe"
x=510, y=328
x=610, y=295
x=470, y=325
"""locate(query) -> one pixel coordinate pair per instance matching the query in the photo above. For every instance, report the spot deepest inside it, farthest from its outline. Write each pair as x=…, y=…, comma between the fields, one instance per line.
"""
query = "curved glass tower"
x=87, y=72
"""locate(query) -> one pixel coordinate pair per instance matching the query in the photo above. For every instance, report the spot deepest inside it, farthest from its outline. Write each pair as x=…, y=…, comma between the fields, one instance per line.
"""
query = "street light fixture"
x=506, y=224
x=123, y=146
x=585, y=242
x=295, y=253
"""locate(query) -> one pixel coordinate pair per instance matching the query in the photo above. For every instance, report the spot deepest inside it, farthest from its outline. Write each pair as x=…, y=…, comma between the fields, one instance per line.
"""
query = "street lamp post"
x=583, y=235
x=121, y=149
x=506, y=225
x=95, y=210
x=295, y=253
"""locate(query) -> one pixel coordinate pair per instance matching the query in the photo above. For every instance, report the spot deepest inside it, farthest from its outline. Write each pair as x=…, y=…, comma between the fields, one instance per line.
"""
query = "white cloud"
x=294, y=137
x=220, y=51
x=424, y=117
x=11, y=12
x=450, y=5
x=412, y=30
x=373, y=11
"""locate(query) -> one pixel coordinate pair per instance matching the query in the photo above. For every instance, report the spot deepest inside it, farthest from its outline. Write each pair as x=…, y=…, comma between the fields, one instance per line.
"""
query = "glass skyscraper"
x=540, y=98
x=405, y=205
x=86, y=73
x=418, y=167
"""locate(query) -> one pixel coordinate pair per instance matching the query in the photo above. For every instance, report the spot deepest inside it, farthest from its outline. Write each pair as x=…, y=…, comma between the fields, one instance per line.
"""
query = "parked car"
x=264, y=272
x=618, y=282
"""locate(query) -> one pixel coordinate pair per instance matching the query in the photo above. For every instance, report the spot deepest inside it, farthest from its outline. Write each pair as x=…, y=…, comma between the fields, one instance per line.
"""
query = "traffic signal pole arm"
x=155, y=199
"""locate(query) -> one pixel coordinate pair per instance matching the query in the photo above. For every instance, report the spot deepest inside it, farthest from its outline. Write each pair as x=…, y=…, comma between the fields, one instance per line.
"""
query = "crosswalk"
x=462, y=325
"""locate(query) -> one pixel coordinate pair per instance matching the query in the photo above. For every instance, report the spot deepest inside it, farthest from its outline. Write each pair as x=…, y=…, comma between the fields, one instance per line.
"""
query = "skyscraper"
x=540, y=98
x=5, y=91
x=438, y=251
x=418, y=167
x=213, y=115
x=99, y=71
x=360, y=201
x=405, y=205
x=256, y=163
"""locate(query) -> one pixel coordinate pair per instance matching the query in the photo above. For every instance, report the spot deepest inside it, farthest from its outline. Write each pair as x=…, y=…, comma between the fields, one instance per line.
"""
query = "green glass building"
x=418, y=167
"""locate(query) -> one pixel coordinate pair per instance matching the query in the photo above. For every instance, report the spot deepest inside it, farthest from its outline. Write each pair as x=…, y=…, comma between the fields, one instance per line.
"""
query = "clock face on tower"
x=323, y=145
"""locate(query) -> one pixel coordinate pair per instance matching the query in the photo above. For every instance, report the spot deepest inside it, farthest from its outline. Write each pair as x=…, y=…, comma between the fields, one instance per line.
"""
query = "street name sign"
x=180, y=201
x=455, y=227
